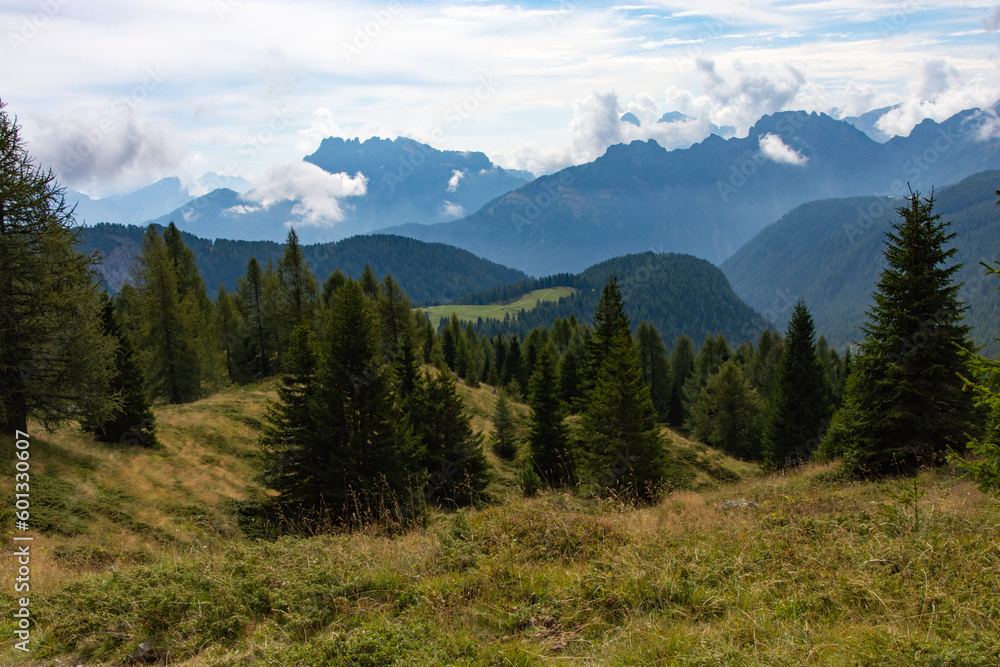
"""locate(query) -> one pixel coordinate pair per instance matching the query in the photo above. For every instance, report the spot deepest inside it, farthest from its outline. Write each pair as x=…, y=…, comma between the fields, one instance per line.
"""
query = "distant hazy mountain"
x=866, y=122
x=830, y=254
x=145, y=203
x=679, y=294
x=406, y=182
x=431, y=273
x=711, y=198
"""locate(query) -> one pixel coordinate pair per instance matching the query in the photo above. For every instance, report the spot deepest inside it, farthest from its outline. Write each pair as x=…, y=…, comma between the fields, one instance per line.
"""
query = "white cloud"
x=456, y=176
x=772, y=147
x=452, y=209
x=105, y=153
x=242, y=210
x=323, y=125
x=316, y=193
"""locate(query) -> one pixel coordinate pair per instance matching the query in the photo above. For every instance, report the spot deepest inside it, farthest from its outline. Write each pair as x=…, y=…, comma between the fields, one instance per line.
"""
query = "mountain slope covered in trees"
x=678, y=294
x=829, y=253
x=429, y=272
x=711, y=198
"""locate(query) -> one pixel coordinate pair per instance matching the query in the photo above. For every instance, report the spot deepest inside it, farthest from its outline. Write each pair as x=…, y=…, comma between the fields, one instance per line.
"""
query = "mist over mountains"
x=348, y=187
x=709, y=199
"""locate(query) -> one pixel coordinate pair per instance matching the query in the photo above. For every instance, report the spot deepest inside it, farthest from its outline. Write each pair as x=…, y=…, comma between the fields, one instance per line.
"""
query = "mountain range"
x=405, y=181
x=829, y=253
x=145, y=203
x=711, y=198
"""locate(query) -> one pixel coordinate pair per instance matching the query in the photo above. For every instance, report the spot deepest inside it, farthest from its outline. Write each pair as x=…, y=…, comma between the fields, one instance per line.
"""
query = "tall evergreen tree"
x=394, y=316
x=54, y=357
x=728, y=413
x=133, y=423
x=904, y=404
x=624, y=450
x=372, y=453
x=682, y=360
x=655, y=368
x=609, y=320
x=229, y=324
x=297, y=451
x=258, y=340
x=299, y=289
x=548, y=435
x=799, y=405
x=453, y=453
x=166, y=338
x=504, y=434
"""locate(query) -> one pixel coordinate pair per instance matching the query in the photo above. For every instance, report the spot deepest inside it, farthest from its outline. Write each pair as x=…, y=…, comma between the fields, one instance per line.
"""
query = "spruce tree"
x=297, y=452
x=682, y=360
x=133, y=423
x=728, y=413
x=452, y=453
x=624, y=451
x=904, y=405
x=609, y=320
x=799, y=404
x=655, y=368
x=548, y=435
x=371, y=453
x=504, y=434
x=394, y=316
x=54, y=357
x=258, y=339
x=299, y=291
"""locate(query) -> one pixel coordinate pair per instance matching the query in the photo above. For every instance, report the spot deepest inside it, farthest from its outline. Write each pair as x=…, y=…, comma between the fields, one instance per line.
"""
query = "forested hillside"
x=830, y=254
x=678, y=294
x=429, y=272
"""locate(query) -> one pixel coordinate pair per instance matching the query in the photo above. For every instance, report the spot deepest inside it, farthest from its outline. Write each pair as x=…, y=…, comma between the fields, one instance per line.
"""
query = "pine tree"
x=609, y=320
x=799, y=404
x=54, y=356
x=453, y=453
x=133, y=422
x=298, y=286
x=371, y=453
x=229, y=324
x=296, y=450
x=369, y=283
x=904, y=405
x=682, y=365
x=728, y=413
x=195, y=306
x=504, y=434
x=548, y=435
x=570, y=382
x=332, y=283
x=624, y=450
x=655, y=368
x=394, y=316
x=258, y=340
x=166, y=337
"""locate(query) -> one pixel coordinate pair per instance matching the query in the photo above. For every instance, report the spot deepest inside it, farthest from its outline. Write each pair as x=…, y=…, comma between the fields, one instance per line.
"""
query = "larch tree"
x=55, y=358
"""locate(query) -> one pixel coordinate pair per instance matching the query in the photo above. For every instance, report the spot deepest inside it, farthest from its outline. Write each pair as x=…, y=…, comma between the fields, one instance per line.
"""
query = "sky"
x=116, y=94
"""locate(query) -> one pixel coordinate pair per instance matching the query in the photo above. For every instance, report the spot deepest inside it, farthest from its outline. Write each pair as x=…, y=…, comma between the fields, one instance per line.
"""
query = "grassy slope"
x=497, y=310
x=820, y=572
